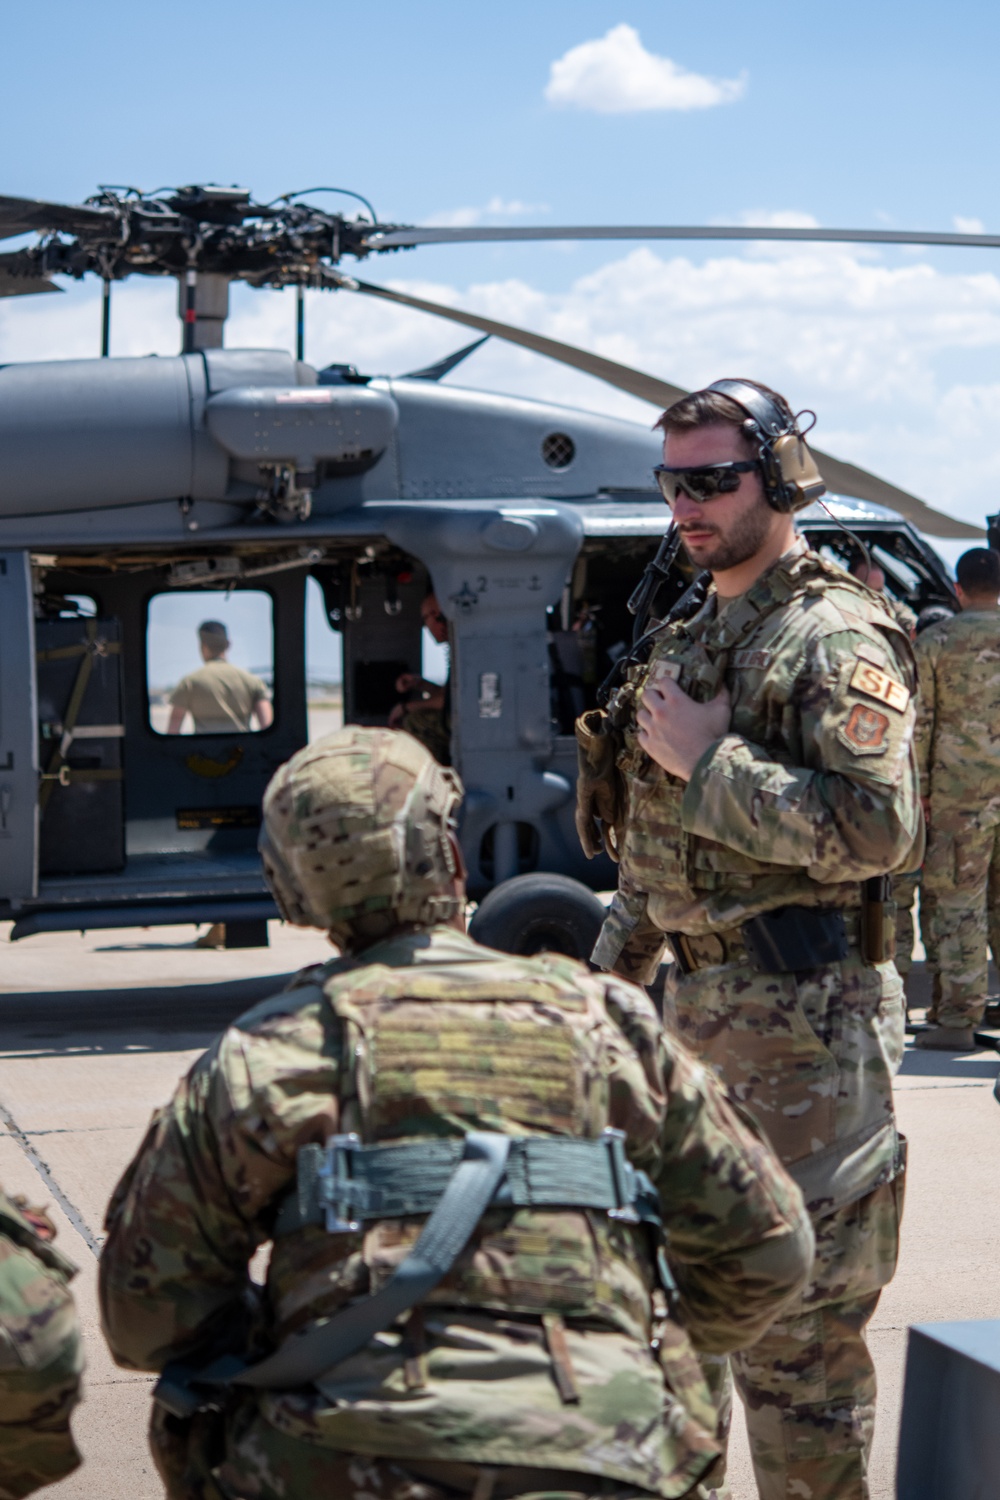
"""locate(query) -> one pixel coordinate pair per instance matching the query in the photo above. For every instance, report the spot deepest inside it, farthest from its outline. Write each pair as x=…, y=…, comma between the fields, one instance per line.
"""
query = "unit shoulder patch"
x=875, y=683
x=865, y=731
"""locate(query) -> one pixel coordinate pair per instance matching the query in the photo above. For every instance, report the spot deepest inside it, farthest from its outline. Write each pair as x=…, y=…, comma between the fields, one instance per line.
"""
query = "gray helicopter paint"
x=495, y=572
x=302, y=424
x=18, y=730
x=77, y=434
x=458, y=442
x=82, y=435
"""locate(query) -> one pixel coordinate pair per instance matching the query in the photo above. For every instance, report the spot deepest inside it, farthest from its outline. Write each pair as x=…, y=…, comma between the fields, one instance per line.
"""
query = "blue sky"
x=856, y=114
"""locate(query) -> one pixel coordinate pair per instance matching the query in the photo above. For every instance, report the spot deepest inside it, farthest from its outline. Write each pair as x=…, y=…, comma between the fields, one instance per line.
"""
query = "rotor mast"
x=203, y=306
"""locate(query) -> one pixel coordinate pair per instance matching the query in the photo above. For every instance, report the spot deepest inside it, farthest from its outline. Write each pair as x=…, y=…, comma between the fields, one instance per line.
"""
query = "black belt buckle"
x=338, y=1193
x=792, y=938
x=623, y=1176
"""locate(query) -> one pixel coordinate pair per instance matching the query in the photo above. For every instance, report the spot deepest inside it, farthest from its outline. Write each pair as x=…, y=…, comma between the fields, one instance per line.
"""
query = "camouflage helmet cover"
x=355, y=835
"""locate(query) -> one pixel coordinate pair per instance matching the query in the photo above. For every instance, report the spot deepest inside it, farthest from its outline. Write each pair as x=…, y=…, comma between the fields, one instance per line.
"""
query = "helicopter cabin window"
x=210, y=662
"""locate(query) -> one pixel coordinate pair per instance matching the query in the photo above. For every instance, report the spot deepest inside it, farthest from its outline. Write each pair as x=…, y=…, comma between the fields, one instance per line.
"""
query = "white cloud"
x=616, y=75
x=901, y=361
x=779, y=218
x=968, y=226
x=496, y=208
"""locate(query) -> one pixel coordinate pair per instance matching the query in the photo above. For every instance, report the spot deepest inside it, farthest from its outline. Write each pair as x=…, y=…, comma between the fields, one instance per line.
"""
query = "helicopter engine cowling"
x=347, y=425
x=91, y=434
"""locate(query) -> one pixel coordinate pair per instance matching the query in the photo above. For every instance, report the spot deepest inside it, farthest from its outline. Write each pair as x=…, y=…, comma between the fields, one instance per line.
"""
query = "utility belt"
x=790, y=939
x=344, y=1184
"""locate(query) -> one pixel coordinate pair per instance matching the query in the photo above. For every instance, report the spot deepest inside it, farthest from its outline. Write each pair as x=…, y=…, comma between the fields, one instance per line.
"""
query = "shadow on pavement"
x=164, y=1019
x=958, y=1065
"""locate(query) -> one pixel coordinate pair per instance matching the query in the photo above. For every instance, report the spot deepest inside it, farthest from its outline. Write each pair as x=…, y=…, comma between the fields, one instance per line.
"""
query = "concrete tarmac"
x=95, y=1030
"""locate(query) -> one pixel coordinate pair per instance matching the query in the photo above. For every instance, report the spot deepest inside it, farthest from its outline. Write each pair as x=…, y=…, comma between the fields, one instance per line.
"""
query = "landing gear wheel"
x=539, y=914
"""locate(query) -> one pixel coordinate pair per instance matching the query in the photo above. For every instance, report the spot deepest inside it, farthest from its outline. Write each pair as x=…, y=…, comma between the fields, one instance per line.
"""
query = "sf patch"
x=866, y=730
x=868, y=679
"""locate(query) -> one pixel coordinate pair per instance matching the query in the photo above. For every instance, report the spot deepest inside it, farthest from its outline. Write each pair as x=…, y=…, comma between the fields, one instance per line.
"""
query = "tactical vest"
x=430, y=1052
x=656, y=853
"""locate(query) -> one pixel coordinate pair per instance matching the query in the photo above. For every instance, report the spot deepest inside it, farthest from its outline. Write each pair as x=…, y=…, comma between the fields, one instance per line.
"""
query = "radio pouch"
x=598, y=784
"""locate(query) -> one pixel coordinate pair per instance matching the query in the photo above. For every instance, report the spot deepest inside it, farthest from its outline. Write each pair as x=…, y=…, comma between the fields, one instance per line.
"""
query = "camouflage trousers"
x=904, y=893
x=811, y=1056
x=241, y=1456
x=808, y=1389
x=962, y=880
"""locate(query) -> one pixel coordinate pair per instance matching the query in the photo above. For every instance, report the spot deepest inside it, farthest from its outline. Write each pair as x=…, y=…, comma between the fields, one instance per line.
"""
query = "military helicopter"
x=125, y=480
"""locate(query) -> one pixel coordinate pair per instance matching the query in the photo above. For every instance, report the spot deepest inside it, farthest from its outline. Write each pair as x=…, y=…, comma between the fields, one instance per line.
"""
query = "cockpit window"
x=210, y=662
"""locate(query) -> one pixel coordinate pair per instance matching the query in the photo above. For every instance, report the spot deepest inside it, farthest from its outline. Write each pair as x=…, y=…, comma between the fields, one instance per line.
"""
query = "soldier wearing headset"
x=753, y=774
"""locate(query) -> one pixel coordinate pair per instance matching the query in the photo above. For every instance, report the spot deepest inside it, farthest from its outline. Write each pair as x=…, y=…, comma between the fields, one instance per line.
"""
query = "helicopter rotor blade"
x=20, y=277
x=397, y=239
x=842, y=478
x=27, y=215
x=622, y=377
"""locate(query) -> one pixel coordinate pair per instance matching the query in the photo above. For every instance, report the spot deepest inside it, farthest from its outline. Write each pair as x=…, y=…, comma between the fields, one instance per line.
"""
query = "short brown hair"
x=707, y=408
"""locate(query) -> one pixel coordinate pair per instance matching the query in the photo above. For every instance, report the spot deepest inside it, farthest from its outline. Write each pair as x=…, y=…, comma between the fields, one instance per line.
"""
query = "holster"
x=878, y=920
x=599, y=786
x=792, y=938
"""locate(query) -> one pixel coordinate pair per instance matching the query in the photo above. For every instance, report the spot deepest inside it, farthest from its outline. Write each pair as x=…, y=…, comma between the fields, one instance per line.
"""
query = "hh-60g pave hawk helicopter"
x=122, y=480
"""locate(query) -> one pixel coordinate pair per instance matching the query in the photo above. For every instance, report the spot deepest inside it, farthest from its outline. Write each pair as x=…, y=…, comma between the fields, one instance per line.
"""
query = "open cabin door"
x=18, y=731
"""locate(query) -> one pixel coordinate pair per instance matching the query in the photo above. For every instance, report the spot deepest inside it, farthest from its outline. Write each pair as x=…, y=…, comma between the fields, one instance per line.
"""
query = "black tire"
x=539, y=914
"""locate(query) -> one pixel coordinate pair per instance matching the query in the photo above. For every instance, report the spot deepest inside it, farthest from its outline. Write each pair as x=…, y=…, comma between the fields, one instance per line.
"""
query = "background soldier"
x=40, y=1354
x=426, y=713
x=220, y=697
x=958, y=746
x=874, y=576
x=765, y=773
x=530, y=1367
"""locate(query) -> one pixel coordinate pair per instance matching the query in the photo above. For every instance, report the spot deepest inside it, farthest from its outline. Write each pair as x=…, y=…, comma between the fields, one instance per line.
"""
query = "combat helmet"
x=355, y=836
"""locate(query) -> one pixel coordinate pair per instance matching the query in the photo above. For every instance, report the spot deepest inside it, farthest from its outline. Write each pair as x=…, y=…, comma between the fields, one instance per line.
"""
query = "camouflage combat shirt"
x=41, y=1356
x=958, y=724
x=426, y=1033
x=813, y=789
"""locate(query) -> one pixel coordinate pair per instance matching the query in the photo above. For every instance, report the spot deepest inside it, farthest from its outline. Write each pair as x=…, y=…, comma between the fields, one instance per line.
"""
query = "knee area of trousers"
x=818, y=1434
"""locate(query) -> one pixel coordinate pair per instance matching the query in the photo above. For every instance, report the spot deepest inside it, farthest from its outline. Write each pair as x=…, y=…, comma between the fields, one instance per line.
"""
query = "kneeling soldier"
x=505, y=1210
x=41, y=1358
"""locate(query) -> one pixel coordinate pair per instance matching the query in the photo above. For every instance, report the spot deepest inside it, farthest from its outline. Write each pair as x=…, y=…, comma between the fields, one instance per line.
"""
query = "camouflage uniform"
x=40, y=1354
x=425, y=1034
x=813, y=790
x=903, y=614
x=904, y=886
x=958, y=748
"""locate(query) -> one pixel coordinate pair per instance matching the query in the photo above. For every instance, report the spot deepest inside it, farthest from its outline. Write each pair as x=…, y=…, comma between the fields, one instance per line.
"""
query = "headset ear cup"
x=797, y=476
x=775, y=492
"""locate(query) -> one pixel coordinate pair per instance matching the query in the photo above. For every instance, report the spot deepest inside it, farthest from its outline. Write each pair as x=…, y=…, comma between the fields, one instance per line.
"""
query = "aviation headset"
x=791, y=478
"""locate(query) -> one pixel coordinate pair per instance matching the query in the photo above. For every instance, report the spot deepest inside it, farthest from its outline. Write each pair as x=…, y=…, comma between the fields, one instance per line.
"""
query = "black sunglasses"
x=702, y=483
